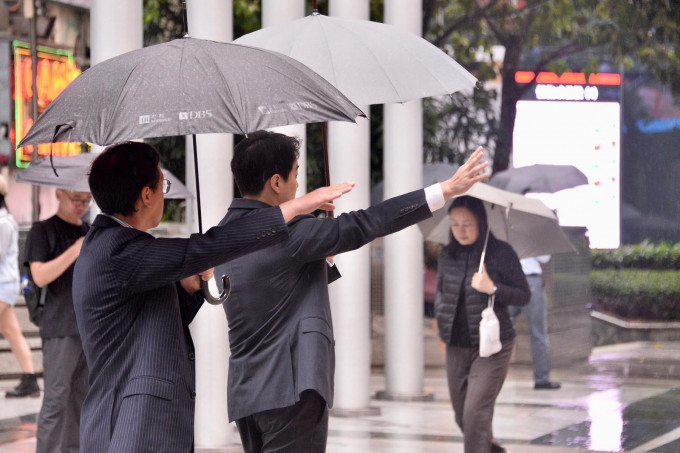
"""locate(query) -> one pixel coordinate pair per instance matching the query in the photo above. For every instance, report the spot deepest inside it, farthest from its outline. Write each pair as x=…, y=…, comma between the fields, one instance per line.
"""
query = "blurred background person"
x=462, y=293
x=52, y=247
x=9, y=292
x=431, y=254
x=536, y=314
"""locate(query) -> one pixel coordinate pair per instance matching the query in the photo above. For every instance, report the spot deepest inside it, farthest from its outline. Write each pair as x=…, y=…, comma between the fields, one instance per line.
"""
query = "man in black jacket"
x=280, y=329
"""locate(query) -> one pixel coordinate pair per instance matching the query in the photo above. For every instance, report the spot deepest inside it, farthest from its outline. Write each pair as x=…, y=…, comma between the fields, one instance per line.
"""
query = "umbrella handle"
x=219, y=300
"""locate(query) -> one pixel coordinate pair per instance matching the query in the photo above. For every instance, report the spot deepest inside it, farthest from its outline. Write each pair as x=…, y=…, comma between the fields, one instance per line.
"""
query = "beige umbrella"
x=527, y=224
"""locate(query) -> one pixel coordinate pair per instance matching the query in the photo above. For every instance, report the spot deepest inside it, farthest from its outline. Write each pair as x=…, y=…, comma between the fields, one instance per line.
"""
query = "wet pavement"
x=627, y=399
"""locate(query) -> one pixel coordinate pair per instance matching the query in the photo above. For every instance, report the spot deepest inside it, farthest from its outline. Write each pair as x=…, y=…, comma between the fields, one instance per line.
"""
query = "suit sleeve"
x=313, y=238
x=142, y=262
x=189, y=303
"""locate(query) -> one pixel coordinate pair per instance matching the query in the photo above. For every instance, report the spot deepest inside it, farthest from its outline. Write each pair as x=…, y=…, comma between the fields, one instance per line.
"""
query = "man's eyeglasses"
x=166, y=186
x=79, y=201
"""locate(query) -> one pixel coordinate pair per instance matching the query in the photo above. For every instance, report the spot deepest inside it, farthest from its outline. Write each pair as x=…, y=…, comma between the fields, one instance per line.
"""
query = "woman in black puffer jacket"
x=462, y=294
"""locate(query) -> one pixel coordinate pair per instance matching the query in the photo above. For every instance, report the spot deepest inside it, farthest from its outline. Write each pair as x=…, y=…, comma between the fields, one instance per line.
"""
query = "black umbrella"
x=539, y=178
x=185, y=87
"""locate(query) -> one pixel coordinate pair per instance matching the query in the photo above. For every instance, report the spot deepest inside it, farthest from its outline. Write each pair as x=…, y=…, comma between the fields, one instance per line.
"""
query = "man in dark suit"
x=135, y=295
x=280, y=329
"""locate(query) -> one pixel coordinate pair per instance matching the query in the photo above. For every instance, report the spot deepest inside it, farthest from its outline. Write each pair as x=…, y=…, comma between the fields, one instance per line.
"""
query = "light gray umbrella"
x=370, y=62
x=527, y=224
x=73, y=172
x=188, y=86
x=539, y=178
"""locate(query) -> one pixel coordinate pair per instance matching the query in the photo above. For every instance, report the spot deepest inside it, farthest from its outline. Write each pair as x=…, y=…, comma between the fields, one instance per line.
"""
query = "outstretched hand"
x=466, y=176
x=318, y=199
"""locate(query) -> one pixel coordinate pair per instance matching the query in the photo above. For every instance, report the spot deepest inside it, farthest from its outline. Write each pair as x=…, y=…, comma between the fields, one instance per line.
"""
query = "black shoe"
x=27, y=387
x=547, y=386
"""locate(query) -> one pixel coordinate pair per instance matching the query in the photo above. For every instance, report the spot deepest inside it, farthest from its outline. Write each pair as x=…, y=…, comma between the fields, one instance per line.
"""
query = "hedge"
x=645, y=255
x=650, y=295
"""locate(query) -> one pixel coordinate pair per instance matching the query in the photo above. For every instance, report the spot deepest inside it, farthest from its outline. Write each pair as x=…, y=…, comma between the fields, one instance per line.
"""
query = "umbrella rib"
x=360, y=40
x=228, y=90
x=109, y=122
x=412, y=56
x=119, y=97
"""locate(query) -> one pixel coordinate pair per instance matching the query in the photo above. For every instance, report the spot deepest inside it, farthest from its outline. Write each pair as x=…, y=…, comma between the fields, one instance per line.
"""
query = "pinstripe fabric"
x=280, y=326
x=133, y=319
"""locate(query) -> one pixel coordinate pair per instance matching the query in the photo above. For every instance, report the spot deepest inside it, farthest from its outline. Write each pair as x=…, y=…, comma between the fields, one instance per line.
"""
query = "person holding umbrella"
x=462, y=294
x=536, y=313
x=135, y=295
x=282, y=359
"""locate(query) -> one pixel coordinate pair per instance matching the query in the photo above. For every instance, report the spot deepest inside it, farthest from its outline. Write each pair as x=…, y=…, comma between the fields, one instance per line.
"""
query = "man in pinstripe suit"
x=280, y=329
x=135, y=295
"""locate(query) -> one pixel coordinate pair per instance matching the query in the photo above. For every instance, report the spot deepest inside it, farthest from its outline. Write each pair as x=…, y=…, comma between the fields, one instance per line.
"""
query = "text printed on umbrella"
x=153, y=118
x=278, y=108
x=195, y=115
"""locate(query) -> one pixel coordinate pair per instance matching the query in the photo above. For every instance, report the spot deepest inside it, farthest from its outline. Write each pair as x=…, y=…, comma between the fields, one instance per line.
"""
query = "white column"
x=403, y=252
x=349, y=156
x=212, y=19
x=116, y=27
x=276, y=12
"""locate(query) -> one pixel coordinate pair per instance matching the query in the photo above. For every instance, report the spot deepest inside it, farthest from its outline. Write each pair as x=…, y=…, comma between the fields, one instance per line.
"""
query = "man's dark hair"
x=119, y=174
x=260, y=156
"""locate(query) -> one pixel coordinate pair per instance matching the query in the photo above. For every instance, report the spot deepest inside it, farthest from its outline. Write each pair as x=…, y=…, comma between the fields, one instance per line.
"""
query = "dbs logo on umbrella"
x=196, y=115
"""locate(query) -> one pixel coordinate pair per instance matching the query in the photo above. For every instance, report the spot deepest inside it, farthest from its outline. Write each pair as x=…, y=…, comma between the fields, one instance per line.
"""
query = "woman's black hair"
x=476, y=207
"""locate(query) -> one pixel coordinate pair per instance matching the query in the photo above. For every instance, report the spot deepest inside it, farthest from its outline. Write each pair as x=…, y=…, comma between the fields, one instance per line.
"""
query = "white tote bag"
x=489, y=332
x=489, y=329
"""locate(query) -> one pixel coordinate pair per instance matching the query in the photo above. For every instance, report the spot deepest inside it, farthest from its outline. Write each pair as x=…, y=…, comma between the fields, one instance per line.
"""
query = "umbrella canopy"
x=188, y=86
x=370, y=62
x=539, y=178
x=73, y=172
x=527, y=224
x=432, y=173
x=185, y=87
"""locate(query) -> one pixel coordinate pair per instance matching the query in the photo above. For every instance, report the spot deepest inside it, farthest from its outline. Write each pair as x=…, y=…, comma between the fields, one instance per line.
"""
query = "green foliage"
x=637, y=294
x=645, y=255
x=163, y=21
x=457, y=124
x=246, y=17
x=555, y=35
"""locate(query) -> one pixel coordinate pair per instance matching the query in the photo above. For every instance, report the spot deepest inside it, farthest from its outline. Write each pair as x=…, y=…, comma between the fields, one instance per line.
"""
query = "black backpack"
x=33, y=294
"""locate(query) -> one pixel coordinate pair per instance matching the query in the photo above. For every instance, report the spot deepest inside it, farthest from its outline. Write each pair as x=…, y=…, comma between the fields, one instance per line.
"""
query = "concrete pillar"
x=116, y=27
x=275, y=12
x=349, y=156
x=403, y=251
x=212, y=19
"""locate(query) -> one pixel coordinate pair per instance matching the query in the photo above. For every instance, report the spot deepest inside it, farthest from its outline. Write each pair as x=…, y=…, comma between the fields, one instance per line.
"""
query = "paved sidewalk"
x=627, y=399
